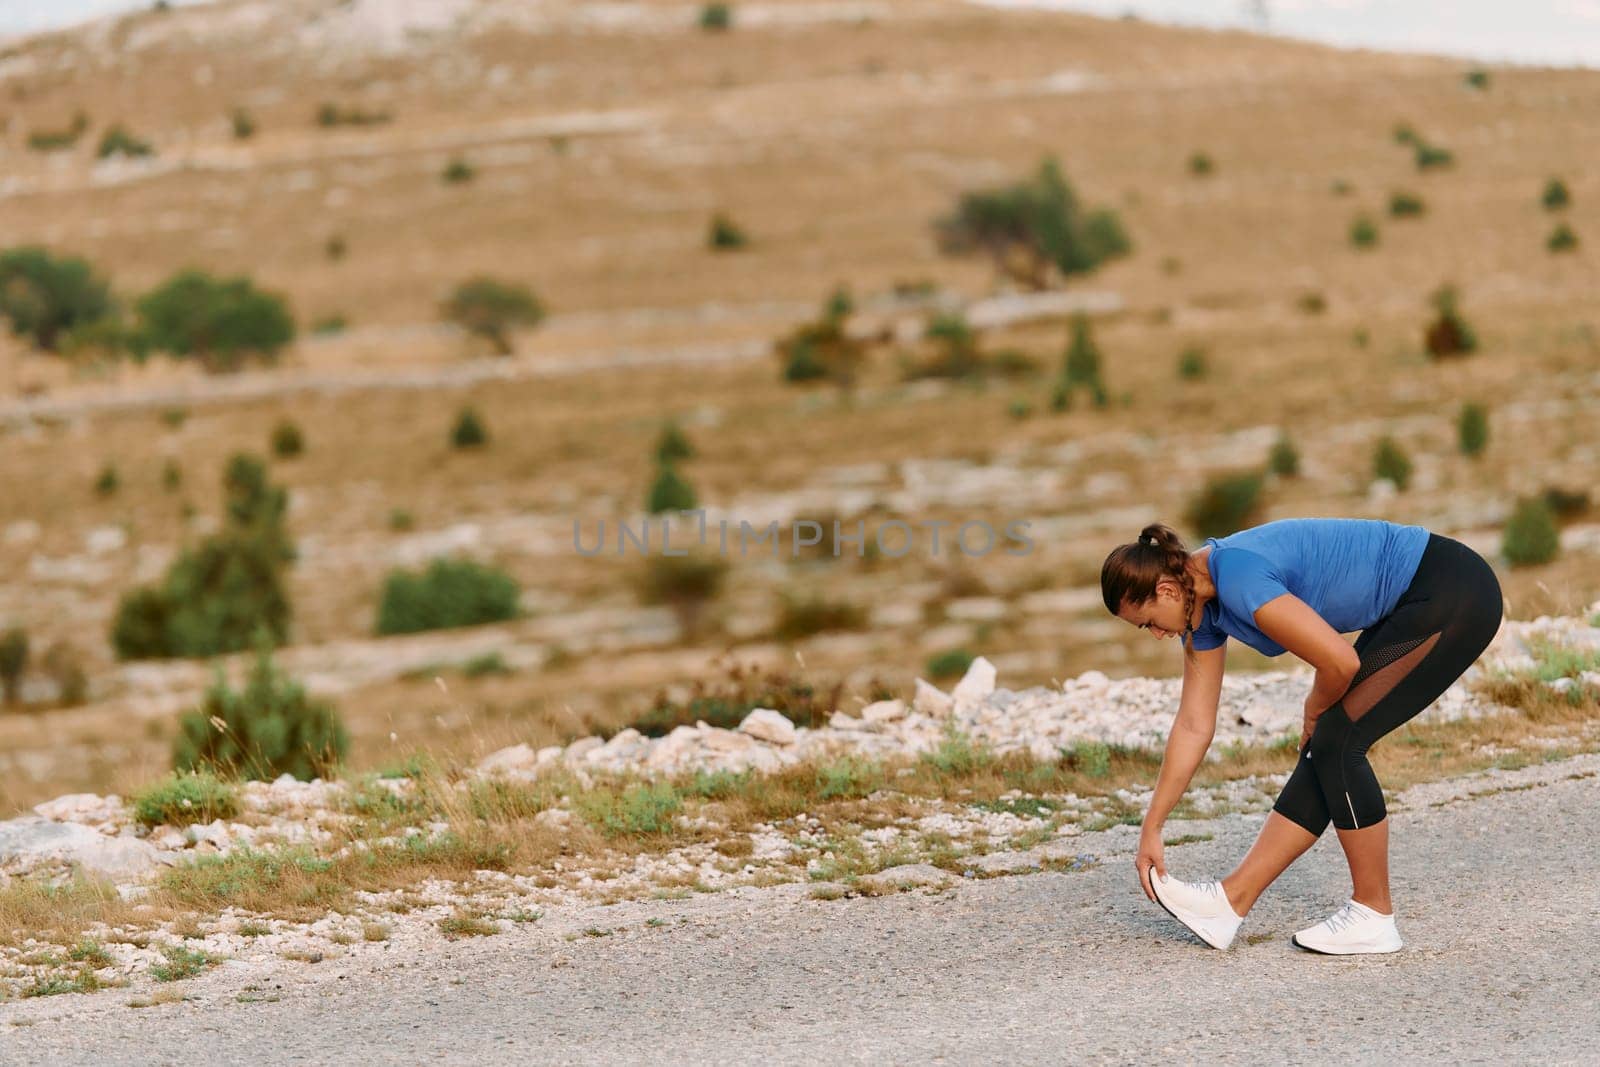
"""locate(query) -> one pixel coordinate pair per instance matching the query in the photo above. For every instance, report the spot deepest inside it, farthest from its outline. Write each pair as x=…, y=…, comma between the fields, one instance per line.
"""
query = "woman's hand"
x=1308, y=723
x=1150, y=853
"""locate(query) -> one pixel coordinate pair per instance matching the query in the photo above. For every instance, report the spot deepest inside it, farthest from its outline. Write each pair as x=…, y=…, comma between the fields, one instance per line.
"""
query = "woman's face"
x=1161, y=615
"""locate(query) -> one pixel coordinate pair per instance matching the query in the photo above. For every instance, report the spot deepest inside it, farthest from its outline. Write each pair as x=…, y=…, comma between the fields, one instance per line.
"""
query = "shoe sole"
x=1294, y=939
x=1202, y=936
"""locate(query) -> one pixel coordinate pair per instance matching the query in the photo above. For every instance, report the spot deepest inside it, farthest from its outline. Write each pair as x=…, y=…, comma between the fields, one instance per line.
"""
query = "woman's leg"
x=1443, y=623
x=1280, y=842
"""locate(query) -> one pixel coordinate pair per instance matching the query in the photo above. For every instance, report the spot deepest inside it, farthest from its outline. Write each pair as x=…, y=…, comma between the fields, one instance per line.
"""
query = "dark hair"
x=1131, y=571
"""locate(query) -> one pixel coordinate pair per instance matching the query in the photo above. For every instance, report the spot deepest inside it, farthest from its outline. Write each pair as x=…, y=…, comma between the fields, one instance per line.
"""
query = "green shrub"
x=822, y=349
x=840, y=305
x=484, y=665
x=1284, y=459
x=54, y=140
x=1476, y=79
x=848, y=778
x=1531, y=535
x=1019, y=409
x=1311, y=303
x=1200, y=164
x=218, y=594
x=287, y=440
x=725, y=234
x=1432, y=157
x=118, y=141
x=488, y=308
x=956, y=755
x=811, y=613
x=1562, y=239
x=1341, y=187
x=1472, y=429
x=401, y=520
x=269, y=728
x=107, y=482
x=62, y=664
x=957, y=356
x=330, y=114
x=683, y=583
x=673, y=445
x=450, y=593
x=171, y=476
x=45, y=297
x=716, y=16
x=1032, y=226
x=1192, y=364
x=1080, y=364
x=1364, y=232
x=1449, y=334
x=1555, y=196
x=951, y=663
x=1090, y=758
x=469, y=431
x=182, y=799
x=1390, y=461
x=457, y=171
x=645, y=808
x=1406, y=205
x=1228, y=502
x=1404, y=134
x=218, y=321
x=669, y=492
x=13, y=661
x=1565, y=504
x=244, y=124
x=335, y=247
x=330, y=324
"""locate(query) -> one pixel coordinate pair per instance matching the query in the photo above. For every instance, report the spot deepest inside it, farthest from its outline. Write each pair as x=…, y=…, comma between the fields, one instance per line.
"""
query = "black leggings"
x=1444, y=620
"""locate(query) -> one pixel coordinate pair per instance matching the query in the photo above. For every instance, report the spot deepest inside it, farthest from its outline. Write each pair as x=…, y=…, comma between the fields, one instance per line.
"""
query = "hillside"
x=603, y=139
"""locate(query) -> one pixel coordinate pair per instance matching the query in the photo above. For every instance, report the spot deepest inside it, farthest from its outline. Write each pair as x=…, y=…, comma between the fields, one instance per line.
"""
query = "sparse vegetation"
x=1449, y=334
x=686, y=584
x=13, y=662
x=56, y=140
x=1390, y=461
x=117, y=141
x=243, y=124
x=1555, y=197
x=716, y=16
x=219, y=322
x=450, y=593
x=107, y=482
x=1201, y=165
x=725, y=234
x=287, y=440
x=1364, y=232
x=1192, y=364
x=1284, y=460
x=330, y=114
x=951, y=663
x=803, y=614
x=823, y=350
x=271, y=727
x=1404, y=205
x=488, y=308
x=1034, y=226
x=670, y=491
x=1476, y=78
x=457, y=172
x=1228, y=502
x=673, y=445
x=1531, y=535
x=217, y=595
x=45, y=297
x=184, y=798
x=1561, y=239
x=469, y=430
x=1472, y=429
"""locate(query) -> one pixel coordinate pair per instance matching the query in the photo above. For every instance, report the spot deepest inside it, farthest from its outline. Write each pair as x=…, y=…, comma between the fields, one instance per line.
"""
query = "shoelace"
x=1345, y=916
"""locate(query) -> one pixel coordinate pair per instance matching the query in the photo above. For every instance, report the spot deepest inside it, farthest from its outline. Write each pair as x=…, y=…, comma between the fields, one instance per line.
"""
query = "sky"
x=1554, y=32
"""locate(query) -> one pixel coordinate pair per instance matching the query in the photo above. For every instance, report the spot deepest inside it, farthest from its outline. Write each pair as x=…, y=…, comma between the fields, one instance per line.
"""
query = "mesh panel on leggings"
x=1383, y=672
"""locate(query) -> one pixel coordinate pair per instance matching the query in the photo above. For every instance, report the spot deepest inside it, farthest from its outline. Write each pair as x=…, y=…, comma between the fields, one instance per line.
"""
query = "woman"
x=1426, y=606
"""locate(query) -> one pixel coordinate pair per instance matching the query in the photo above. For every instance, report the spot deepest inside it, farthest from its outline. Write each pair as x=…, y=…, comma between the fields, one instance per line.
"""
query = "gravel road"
x=1498, y=898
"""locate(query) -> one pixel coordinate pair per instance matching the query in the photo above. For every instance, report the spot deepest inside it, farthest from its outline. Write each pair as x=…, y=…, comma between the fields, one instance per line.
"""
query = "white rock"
x=765, y=724
x=976, y=684
x=728, y=741
x=840, y=721
x=884, y=711
x=905, y=876
x=581, y=748
x=931, y=700
x=34, y=841
x=513, y=758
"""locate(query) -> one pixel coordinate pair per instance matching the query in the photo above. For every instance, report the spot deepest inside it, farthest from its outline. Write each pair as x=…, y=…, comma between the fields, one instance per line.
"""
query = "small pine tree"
x=1449, y=334
x=1531, y=535
x=669, y=492
x=840, y=304
x=1228, y=502
x=1476, y=79
x=108, y=482
x=1284, y=460
x=1081, y=363
x=469, y=431
x=673, y=445
x=171, y=476
x=1390, y=461
x=1192, y=365
x=270, y=728
x=1561, y=239
x=1364, y=232
x=457, y=171
x=450, y=593
x=1201, y=165
x=287, y=440
x=1472, y=429
x=1555, y=196
x=725, y=234
x=13, y=661
x=1404, y=205
x=716, y=16
x=244, y=124
x=1432, y=157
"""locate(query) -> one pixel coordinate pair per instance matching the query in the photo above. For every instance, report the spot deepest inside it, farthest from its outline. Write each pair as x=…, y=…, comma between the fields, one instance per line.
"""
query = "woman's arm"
x=1293, y=623
x=1192, y=730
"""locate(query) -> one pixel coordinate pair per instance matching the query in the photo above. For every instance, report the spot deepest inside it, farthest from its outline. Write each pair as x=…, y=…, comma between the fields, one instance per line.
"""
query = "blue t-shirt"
x=1351, y=571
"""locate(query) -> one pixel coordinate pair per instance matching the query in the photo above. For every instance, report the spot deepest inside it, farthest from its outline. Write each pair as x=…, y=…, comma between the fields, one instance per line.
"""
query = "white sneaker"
x=1352, y=929
x=1203, y=907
